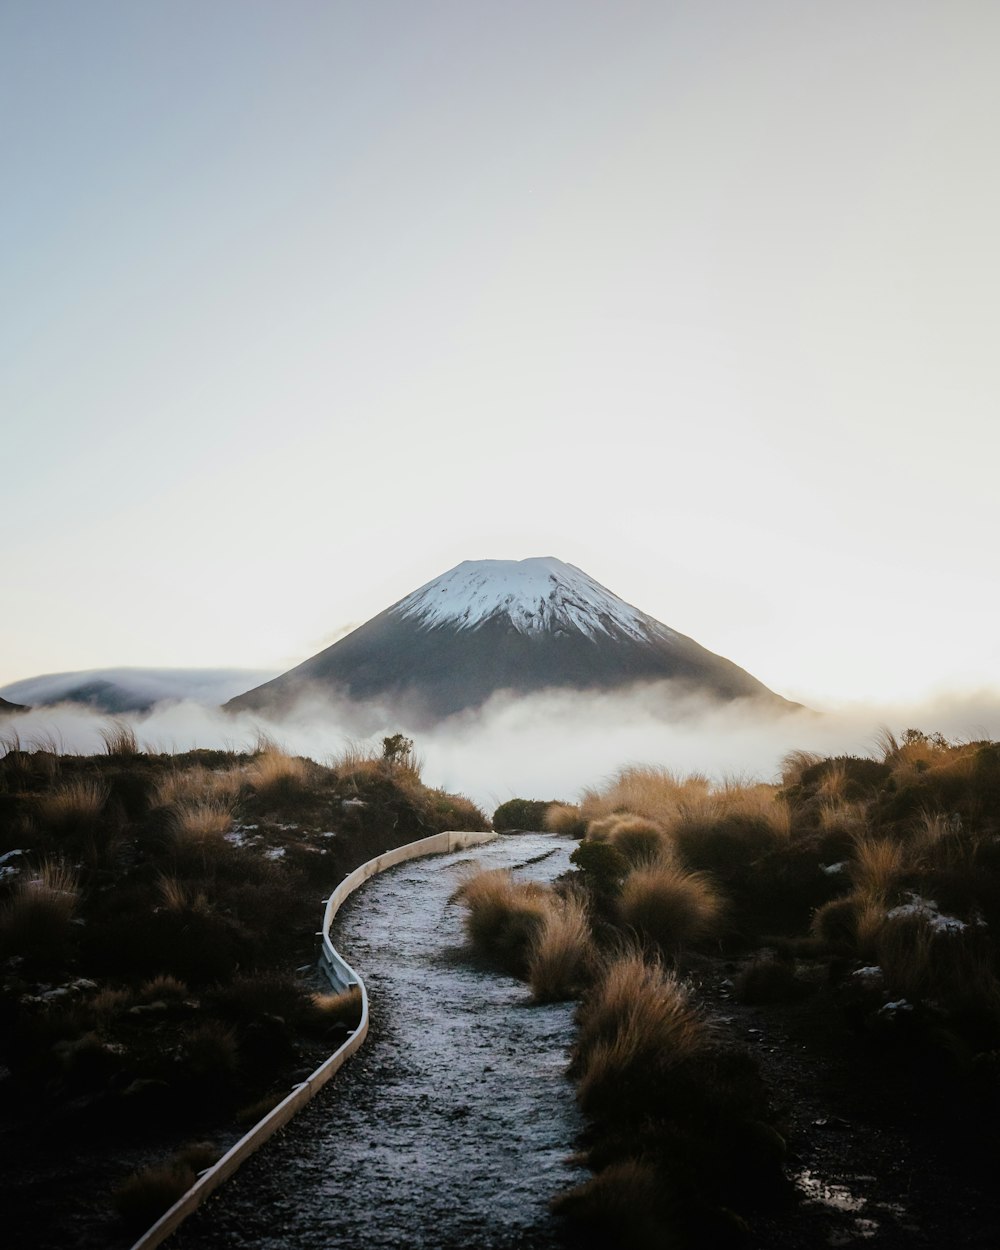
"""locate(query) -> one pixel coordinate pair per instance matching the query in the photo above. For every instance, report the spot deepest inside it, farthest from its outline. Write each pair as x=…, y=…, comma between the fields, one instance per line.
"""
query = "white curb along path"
x=341, y=975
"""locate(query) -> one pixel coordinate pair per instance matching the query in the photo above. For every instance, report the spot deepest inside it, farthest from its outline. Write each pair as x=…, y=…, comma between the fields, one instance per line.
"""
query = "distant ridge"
x=504, y=625
x=115, y=690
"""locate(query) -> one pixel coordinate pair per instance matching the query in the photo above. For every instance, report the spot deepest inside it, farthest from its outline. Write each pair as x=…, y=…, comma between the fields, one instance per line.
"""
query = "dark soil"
x=879, y=1149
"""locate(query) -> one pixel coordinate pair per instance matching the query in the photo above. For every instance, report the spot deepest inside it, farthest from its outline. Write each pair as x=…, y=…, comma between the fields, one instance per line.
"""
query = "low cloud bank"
x=123, y=689
x=543, y=746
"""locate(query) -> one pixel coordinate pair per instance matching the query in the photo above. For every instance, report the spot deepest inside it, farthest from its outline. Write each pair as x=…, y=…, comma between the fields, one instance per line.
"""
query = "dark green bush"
x=521, y=814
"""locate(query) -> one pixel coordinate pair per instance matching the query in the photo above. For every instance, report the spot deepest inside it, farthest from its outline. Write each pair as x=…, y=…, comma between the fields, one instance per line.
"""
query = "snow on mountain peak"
x=537, y=595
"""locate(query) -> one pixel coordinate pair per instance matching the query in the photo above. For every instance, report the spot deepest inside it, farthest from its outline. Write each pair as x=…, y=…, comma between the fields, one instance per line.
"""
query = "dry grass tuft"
x=36, y=918
x=639, y=840
x=163, y=988
x=670, y=906
x=198, y=783
x=877, y=864
x=565, y=818
x=143, y=1198
x=504, y=917
x=183, y=896
x=638, y=1020
x=273, y=773
x=563, y=956
x=119, y=739
x=76, y=805
x=343, y=1008
x=795, y=763
x=199, y=821
x=655, y=793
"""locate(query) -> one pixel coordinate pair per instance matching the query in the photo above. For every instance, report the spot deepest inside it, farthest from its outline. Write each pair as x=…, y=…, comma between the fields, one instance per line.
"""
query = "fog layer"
x=545, y=746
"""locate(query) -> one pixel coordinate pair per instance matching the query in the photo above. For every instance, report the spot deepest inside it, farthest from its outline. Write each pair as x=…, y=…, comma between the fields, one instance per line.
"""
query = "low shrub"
x=521, y=814
x=603, y=868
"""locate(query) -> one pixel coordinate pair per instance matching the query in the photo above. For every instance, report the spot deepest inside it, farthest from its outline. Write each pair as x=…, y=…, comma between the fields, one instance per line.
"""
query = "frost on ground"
x=453, y=1125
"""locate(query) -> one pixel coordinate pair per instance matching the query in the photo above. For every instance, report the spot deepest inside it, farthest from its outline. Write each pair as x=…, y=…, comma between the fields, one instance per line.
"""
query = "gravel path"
x=453, y=1125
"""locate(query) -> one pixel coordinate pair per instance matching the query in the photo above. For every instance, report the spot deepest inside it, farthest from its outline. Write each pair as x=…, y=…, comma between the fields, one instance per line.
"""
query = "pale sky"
x=303, y=303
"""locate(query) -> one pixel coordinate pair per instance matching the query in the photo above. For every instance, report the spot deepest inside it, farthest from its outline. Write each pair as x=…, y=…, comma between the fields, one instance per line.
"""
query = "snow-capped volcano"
x=503, y=625
x=532, y=596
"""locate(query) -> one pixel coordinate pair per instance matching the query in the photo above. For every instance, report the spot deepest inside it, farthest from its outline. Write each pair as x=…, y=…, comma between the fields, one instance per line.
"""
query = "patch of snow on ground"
x=927, y=910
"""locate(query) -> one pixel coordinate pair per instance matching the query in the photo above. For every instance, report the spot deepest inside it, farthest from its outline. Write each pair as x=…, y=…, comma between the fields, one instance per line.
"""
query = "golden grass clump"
x=639, y=840
x=273, y=772
x=163, y=988
x=202, y=820
x=877, y=864
x=837, y=817
x=36, y=920
x=199, y=783
x=75, y=805
x=503, y=917
x=637, y=1020
x=182, y=896
x=599, y=830
x=119, y=739
x=795, y=764
x=563, y=955
x=655, y=793
x=565, y=818
x=343, y=1008
x=667, y=905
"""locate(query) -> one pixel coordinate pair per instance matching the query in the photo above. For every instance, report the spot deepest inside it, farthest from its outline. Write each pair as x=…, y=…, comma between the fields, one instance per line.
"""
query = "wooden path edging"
x=340, y=974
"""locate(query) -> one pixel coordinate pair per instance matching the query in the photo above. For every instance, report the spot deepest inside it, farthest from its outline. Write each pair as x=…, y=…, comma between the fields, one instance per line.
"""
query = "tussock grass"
x=119, y=739
x=36, y=920
x=877, y=864
x=655, y=793
x=273, y=773
x=75, y=805
x=177, y=895
x=639, y=840
x=565, y=818
x=143, y=1198
x=623, y=1205
x=163, y=988
x=211, y=1052
x=637, y=1022
x=199, y=783
x=838, y=818
x=599, y=830
x=795, y=764
x=200, y=821
x=504, y=918
x=955, y=969
x=563, y=956
x=343, y=1008
x=669, y=906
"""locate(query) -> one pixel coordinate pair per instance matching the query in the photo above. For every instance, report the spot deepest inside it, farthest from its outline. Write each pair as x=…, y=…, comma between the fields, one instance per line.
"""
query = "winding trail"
x=453, y=1125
